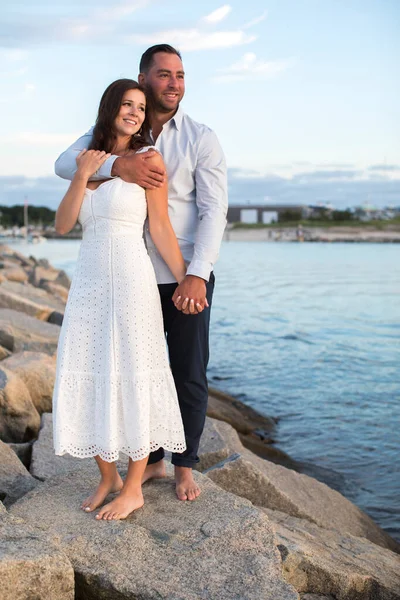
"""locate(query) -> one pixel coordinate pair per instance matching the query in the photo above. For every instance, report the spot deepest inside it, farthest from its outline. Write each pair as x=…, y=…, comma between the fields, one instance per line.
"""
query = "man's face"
x=165, y=82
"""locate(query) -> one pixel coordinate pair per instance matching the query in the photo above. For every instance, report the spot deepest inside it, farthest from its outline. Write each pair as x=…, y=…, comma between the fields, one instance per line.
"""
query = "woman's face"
x=131, y=114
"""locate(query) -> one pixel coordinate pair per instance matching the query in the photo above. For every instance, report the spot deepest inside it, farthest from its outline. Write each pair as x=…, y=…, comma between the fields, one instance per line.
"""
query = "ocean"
x=309, y=333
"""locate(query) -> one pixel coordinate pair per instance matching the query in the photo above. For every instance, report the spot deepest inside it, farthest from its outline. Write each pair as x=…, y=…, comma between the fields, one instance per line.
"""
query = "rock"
x=63, y=279
x=6, y=340
x=219, y=440
x=38, y=371
x=39, y=273
x=4, y=353
x=45, y=464
x=273, y=486
x=23, y=332
x=15, y=480
x=43, y=262
x=58, y=291
x=254, y=429
x=323, y=561
x=56, y=318
x=31, y=566
x=38, y=295
x=20, y=420
x=15, y=274
x=10, y=300
x=243, y=418
x=23, y=451
x=10, y=254
x=315, y=597
x=217, y=548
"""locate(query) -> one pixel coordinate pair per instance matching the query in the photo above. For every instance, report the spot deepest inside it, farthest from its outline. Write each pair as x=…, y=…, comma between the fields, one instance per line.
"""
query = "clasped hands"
x=190, y=295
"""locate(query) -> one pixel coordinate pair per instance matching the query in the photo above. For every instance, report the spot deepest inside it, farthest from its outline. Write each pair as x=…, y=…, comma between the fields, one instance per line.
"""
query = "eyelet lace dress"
x=114, y=390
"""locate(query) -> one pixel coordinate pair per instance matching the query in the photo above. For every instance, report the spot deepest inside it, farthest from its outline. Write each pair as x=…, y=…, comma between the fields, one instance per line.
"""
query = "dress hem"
x=115, y=454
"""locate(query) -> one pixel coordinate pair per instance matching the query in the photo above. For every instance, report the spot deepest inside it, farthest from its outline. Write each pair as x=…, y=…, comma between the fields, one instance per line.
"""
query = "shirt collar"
x=177, y=118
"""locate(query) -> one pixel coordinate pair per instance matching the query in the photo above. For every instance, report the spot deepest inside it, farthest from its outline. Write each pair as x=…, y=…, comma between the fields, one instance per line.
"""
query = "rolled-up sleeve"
x=65, y=165
x=212, y=204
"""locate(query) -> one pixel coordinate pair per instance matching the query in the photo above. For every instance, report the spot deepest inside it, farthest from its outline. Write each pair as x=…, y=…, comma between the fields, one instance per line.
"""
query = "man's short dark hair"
x=147, y=57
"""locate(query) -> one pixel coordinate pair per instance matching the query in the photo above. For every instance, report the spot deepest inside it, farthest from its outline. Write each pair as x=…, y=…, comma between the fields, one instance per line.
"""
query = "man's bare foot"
x=122, y=506
x=105, y=487
x=185, y=485
x=155, y=471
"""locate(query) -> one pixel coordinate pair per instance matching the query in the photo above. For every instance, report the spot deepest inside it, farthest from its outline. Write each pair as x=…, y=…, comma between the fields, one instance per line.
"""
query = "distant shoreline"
x=347, y=234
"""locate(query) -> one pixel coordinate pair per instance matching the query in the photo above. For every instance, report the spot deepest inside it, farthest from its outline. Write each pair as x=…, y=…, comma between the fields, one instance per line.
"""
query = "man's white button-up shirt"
x=197, y=191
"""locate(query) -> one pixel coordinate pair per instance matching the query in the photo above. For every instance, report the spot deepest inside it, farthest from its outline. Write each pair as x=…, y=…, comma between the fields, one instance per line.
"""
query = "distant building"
x=260, y=214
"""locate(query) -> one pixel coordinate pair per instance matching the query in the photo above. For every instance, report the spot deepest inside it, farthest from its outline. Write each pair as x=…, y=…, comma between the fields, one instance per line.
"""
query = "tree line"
x=11, y=216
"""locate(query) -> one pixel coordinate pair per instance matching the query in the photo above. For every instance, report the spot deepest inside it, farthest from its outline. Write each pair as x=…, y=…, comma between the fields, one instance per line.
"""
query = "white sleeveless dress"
x=114, y=390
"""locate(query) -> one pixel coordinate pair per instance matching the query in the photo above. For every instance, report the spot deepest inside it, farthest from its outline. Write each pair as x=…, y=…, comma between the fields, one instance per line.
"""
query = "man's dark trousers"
x=187, y=339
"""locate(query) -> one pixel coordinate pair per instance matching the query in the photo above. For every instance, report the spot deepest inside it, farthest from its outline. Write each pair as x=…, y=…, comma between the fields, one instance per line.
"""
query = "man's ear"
x=141, y=78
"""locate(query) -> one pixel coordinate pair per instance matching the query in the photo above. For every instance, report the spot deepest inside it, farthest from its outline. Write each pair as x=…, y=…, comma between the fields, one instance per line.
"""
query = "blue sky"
x=303, y=94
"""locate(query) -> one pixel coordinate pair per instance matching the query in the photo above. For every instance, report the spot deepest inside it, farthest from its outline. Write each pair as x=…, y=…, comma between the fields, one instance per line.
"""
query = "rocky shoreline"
x=261, y=528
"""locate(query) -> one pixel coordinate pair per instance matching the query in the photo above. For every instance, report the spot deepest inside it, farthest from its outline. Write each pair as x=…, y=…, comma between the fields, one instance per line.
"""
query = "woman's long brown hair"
x=104, y=135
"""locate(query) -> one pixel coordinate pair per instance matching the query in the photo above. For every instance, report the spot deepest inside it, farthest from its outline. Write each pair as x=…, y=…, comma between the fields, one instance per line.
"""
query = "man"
x=197, y=192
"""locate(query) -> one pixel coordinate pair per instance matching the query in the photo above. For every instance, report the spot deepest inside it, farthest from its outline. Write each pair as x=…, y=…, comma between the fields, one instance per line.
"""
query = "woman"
x=114, y=391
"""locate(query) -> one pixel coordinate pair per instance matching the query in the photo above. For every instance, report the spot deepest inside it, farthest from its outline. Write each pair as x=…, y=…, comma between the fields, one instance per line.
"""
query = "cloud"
x=256, y=21
x=327, y=175
x=40, y=191
x=384, y=167
x=121, y=10
x=354, y=188
x=341, y=193
x=33, y=138
x=218, y=15
x=13, y=54
x=249, y=67
x=188, y=40
x=105, y=25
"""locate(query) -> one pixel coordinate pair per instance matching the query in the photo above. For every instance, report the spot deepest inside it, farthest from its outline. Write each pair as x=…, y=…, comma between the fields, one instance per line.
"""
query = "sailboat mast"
x=26, y=216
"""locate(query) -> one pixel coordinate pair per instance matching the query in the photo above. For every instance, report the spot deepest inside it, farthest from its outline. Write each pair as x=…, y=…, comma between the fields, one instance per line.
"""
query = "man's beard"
x=156, y=104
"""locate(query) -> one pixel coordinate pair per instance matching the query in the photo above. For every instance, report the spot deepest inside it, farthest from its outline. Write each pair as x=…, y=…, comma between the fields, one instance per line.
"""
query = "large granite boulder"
x=45, y=464
x=273, y=486
x=59, y=291
x=22, y=332
x=31, y=566
x=63, y=279
x=243, y=418
x=255, y=430
x=4, y=353
x=38, y=295
x=39, y=274
x=217, y=548
x=9, y=299
x=15, y=273
x=9, y=254
x=324, y=561
x=219, y=440
x=15, y=480
x=38, y=371
x=20, y=421
x=23, y=450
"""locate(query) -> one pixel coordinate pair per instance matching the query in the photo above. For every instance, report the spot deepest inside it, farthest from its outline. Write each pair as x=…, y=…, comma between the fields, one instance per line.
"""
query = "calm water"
x=309, y=333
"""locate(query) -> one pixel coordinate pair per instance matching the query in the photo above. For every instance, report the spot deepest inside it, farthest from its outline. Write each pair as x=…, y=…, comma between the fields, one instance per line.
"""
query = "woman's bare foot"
x=122, y=506
x=106, y=486
x=185, y=485
x=155, y=471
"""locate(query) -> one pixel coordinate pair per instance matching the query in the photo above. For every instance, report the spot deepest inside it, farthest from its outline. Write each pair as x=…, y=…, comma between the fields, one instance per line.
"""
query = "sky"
x=303, y=94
